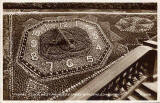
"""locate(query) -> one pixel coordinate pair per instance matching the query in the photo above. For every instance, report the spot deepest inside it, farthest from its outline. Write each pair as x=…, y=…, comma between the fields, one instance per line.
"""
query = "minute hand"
x=66, y=39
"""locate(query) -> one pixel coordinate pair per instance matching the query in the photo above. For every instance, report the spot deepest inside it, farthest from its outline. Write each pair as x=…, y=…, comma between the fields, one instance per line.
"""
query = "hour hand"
x=52, y=42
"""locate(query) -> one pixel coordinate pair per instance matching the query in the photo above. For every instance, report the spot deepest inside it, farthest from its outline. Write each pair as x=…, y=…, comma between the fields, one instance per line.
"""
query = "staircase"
x=146, y=91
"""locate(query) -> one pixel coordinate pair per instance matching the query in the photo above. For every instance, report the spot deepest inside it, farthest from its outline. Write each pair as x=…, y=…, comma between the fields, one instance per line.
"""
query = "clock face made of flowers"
x=53, y=49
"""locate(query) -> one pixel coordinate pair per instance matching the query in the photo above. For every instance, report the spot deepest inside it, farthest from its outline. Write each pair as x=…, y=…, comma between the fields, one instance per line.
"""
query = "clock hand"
x=66, y=39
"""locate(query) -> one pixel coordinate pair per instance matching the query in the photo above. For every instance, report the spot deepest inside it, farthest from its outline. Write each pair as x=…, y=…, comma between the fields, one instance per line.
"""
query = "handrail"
x=150, y=43
x=111, y=73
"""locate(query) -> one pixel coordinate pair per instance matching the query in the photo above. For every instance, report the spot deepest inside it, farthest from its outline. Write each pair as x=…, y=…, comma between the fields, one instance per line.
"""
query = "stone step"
x=151, y=86
x=131, y=97
x=134, y=97
x=144, y=94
